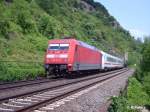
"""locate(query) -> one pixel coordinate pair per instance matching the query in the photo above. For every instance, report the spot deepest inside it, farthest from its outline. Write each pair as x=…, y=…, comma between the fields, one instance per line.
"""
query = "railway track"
x=18, y=84
x=25, y=83
x=34, y=99
x=15, y=82
x=52, y=85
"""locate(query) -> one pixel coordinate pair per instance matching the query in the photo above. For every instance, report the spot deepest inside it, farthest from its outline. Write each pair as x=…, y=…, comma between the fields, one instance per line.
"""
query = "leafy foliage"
x=24, y=20
x=119, y=104
x=146, y=56
x=138, y=91
x=4, y=26
x=26, y=26
x=136, y=94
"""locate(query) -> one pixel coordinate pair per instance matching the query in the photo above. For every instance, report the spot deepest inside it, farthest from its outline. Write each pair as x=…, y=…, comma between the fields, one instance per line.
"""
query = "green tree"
x=145, y=65
x=146, y=56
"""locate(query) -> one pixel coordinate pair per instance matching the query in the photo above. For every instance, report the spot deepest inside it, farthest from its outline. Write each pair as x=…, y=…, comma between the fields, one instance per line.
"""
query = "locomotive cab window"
x=64, y=46
x=58, y=47
x=53, y=47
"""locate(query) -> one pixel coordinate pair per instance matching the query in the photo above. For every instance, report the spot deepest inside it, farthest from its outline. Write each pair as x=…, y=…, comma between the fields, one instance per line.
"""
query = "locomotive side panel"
x=86, y=59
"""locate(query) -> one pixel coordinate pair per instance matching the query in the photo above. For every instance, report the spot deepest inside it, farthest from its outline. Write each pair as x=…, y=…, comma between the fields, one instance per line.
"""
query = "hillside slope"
x=27, y=25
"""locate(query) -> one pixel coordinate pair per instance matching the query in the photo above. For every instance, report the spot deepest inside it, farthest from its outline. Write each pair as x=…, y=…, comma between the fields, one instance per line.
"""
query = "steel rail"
x=65, y=94
x=104, y=77
x=59, y=85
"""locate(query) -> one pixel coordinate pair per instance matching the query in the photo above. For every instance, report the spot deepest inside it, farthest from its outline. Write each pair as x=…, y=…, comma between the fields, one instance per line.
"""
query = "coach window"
x=119, y=61
x=109, y=59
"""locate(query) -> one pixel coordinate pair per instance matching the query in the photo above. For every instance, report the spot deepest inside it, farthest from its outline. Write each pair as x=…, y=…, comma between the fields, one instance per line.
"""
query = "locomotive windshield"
x=58, y=47
x=64, y=46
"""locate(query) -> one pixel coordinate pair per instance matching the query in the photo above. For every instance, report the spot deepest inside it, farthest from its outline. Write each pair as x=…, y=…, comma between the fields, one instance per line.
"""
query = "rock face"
x=91, y=6
x=87, y=7
x=93, y=99
x=9, y=1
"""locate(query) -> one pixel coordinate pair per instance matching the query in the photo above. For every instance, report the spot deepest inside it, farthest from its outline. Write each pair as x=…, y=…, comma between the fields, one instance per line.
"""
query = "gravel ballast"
x=93, y=99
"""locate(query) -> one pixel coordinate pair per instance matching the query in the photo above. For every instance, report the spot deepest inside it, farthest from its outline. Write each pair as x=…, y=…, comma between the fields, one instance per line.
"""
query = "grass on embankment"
x=136, y=95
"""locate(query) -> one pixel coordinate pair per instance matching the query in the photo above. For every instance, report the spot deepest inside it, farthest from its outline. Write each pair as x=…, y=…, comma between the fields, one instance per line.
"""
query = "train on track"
x=67, y=56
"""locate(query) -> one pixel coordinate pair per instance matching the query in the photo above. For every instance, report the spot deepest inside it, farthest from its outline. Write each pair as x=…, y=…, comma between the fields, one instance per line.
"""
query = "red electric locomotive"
x=70, y=55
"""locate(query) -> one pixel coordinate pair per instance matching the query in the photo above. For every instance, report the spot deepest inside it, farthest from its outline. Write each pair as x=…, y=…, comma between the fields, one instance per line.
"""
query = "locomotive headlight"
x=63, y=56
x=69, y=64
x=50, y=56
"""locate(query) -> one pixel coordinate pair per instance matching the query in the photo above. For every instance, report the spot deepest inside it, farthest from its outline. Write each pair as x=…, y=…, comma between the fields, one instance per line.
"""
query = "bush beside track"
x=20, y=70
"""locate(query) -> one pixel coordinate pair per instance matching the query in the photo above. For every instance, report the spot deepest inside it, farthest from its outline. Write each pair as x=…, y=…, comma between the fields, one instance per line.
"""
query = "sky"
x=133, y=15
